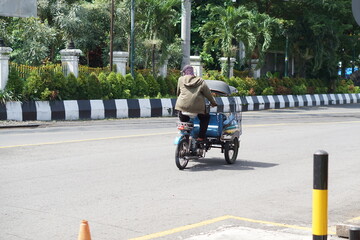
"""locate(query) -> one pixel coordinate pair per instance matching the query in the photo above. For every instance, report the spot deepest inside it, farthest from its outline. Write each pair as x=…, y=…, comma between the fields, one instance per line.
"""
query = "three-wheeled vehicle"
x=223, y=132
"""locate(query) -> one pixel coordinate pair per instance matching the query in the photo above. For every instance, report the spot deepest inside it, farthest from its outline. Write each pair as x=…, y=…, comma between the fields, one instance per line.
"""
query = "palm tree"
x=158, y=25
x=223, y=30
x=257, y=32
x=231, y=25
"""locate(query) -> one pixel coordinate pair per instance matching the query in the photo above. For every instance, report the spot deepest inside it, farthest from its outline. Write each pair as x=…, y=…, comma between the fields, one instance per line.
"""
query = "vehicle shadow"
x=214, y=164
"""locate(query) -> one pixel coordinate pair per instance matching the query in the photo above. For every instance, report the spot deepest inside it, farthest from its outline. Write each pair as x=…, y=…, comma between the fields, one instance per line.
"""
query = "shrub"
x=130, y=84
x=33, y=87
x=321, y=90
x=356, y=89
x=58, y=80
x=7, y=96
x=281, y=90
x=82, y=90
x=154, y=87
x=142, y=86
x=171, y=82
x=15, y=84
x=299, y=89
x=49, y=95
x=105, y=84
x=57, y=85
x=213, y=75
x=268, y=91
x=49, y=83
x=251, y=92
x=115, y=89
x=232, y=82
x=299, y=81
x=250, y=83
x=242, y=92
x=71, y=88
x=262, y=84
x=164, y=89
x=93, y=87
x=287, y=82
x=126, y=93
x=121, y=87
x=341, y=87
x=241, y=74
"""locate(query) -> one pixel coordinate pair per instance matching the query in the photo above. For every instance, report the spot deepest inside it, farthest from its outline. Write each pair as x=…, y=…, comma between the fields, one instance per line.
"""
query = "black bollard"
x=354, y=233
x=320, y=196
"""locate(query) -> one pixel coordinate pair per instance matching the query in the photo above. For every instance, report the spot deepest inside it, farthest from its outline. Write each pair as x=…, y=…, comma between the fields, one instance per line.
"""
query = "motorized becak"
x=223, y=132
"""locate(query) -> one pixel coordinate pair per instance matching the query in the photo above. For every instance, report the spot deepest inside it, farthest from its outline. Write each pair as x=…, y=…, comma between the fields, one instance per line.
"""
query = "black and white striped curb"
x=135, y=108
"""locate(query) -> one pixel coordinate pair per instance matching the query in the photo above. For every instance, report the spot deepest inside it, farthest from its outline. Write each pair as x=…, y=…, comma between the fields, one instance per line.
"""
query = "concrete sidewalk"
x=342, y=230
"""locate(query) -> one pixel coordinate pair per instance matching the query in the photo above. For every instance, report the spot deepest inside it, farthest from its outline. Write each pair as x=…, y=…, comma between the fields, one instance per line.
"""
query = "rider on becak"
x=191, y=92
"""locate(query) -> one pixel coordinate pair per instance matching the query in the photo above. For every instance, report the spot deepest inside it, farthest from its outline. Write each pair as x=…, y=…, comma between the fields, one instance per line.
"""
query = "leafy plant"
x=268, y=91
x=14, y=84
x=115, y=89
x=299, y=89
x=141, y=86
x=34, y=86
x=71, y=88
x=93, y=87
x=163, y=86
x=105, y=84
x=153, y=86
x=7, y=96
x=130, y=85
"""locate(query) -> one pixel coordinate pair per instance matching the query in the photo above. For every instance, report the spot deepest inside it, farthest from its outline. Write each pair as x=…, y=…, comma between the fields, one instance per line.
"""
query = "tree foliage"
x=321, y=33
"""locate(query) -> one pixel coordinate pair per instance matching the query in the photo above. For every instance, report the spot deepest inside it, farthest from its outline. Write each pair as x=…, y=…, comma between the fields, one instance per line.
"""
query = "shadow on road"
x=214, y=164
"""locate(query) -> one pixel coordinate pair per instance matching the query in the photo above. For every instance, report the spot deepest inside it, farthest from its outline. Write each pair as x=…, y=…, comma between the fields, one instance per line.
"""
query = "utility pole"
x=185, y=31
x=132, y=39
x=286, y=55
x=111, y=34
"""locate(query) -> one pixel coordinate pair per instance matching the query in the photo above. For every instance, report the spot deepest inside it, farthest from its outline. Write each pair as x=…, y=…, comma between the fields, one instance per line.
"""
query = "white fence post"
x=70, y=60
x=224, y=62
x=120, y=59
x=4, y=64
x=163, y=69
x=195, y=62
x=254, y=63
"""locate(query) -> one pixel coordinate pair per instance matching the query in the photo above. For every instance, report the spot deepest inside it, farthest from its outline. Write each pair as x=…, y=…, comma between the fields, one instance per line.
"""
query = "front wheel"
x=181, y=153
x=231, y=150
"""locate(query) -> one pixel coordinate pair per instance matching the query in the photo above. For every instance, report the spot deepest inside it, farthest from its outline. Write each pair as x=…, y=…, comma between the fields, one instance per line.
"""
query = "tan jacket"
x=191, y=92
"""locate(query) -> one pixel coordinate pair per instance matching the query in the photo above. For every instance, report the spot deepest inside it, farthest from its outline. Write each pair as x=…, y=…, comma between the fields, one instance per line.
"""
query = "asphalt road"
x=121, y=176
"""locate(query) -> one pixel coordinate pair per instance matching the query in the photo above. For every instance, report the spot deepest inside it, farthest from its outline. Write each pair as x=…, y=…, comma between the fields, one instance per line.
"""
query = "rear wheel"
x=181, y=153
x=231, y=150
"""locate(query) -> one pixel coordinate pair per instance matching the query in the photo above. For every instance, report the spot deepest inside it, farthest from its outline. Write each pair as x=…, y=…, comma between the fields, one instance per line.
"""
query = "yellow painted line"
x=214, y=220
x=354, y=219
x=272, y=223
x=181, y=229
x=87, y=140
x=297, y=123
x=157, y=134
x=277, y=224
x=272, y=112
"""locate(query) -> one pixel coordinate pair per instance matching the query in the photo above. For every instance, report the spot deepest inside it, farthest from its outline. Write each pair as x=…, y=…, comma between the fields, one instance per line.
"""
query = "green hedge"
x=51, y=84
x=273, y=85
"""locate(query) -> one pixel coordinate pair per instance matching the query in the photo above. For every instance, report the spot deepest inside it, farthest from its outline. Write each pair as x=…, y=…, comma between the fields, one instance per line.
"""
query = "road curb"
x=20, y=126
x=342, y=229
x=137, y=108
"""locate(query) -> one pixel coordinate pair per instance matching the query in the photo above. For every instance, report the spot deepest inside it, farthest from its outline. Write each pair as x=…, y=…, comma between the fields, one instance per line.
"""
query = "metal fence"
x=25, y=70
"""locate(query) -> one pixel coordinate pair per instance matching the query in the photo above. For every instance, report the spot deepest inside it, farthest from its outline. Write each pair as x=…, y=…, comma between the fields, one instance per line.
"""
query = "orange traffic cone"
x=84, y=232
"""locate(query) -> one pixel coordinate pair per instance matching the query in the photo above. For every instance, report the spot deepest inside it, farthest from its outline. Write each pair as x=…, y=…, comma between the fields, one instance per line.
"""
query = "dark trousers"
x=204, y=122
